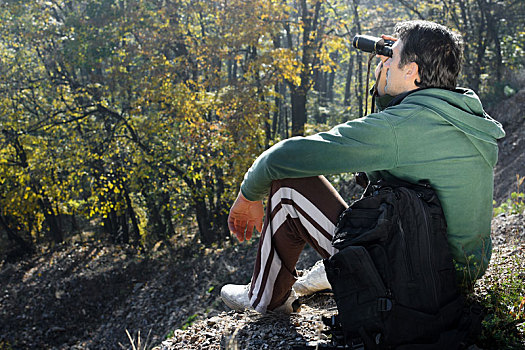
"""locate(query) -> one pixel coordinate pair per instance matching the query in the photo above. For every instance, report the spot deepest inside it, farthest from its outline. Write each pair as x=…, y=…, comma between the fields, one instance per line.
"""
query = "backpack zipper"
x=418, y=199
x=427, y=232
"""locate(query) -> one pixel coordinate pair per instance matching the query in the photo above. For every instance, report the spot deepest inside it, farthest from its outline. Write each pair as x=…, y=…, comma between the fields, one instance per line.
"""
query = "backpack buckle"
x=384, y=304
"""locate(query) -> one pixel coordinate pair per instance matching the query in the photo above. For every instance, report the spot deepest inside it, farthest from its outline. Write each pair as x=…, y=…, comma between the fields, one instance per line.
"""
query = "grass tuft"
x=501, y=291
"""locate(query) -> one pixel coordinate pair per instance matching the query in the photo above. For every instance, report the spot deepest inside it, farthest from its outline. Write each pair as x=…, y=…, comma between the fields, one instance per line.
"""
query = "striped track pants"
x=298, y=211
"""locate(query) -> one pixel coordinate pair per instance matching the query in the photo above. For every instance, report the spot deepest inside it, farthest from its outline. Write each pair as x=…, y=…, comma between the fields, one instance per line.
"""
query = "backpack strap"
x=373, y=187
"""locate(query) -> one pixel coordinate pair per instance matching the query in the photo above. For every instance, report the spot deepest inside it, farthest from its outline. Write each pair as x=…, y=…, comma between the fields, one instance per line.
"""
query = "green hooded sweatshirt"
x=437, y=135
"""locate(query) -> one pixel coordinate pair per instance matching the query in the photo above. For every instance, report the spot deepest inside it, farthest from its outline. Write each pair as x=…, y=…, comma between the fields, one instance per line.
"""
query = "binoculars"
x=368, y=43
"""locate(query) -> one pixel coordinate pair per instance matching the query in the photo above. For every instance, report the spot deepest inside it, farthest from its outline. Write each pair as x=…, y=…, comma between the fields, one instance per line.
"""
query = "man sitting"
x=429, y=131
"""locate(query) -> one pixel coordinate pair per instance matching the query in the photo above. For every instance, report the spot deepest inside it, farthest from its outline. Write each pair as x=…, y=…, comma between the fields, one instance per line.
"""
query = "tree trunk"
x=348, y=83
x=472, y=72
x=286, y=129
x=221, y=207
x=298, y=112
x=123, y=228
x=132, y=217
x=309, y=46
x=492, y=28
x=52, y=220
x=480, y=55
x=321, y=86
x=330, y=87
x=277, y=114
x=203, y=221
x=170, y=230
x=155, y=222
x=25, y=247
x=359, y=90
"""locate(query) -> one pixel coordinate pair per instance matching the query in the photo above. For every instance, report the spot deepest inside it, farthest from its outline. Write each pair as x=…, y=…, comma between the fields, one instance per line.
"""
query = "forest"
x=127, y=125
x=136, y=119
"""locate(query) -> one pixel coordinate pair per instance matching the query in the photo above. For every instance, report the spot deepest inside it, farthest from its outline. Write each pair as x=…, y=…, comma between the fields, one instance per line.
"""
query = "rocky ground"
x=87, y=295
x=248, y=330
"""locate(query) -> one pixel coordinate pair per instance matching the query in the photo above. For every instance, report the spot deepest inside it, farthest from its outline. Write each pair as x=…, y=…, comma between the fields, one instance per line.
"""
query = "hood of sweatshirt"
x=462, y=109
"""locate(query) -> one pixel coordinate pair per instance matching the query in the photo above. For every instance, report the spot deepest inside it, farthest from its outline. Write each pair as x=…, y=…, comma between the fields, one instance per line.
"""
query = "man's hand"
x=244, y=216
x=386, y=37
x=380, y=73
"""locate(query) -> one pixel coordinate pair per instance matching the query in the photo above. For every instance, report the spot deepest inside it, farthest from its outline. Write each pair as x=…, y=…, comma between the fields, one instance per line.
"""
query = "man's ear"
x=412, y=72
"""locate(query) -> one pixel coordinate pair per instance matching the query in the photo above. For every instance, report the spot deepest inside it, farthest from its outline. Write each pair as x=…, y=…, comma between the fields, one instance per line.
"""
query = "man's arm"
x=364, y=144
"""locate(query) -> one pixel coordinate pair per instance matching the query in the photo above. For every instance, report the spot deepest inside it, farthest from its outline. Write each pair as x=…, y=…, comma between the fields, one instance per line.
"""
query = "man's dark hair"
x=436, y=49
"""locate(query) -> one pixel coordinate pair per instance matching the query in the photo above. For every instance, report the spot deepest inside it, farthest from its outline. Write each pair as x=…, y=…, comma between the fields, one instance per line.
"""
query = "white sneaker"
x=236, y=297
x=314, y=280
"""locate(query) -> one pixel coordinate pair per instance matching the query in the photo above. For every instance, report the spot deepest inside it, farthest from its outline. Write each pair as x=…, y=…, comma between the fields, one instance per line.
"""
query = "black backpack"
x=393, y=277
